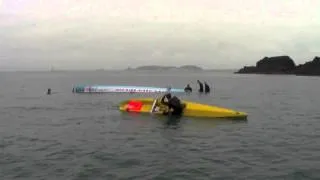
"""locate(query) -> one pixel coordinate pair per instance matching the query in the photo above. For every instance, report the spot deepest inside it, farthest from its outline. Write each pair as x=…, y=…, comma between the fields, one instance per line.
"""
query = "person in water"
x=200, y=86
x=188, y=88
x=169, y=89
x=49, y=91
x=173, y=103
x=206, y=87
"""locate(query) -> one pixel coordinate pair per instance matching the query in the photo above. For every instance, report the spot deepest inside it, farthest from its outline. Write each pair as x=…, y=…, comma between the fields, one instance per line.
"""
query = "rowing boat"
x=123, y=89
x=192, y=109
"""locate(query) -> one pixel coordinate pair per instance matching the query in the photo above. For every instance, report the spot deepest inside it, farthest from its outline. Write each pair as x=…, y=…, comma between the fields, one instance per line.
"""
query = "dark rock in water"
x=271, y=65
x=278, y=64
x=248, y=70
x=282, y=65
x=311, y=68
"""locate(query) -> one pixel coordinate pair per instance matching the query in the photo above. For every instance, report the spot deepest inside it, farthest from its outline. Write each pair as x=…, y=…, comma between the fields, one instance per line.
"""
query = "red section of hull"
x=134, y=106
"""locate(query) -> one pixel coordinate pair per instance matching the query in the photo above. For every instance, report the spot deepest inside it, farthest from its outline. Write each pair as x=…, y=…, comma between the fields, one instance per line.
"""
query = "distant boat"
x=123, y=89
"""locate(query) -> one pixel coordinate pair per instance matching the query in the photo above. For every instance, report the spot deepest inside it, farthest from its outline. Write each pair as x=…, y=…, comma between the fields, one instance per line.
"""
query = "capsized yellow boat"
x=192, y=109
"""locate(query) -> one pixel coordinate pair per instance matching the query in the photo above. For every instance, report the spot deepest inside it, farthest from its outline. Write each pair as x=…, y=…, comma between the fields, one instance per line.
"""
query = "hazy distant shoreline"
x=184, y=68
x=158, y=67
x=120, y=70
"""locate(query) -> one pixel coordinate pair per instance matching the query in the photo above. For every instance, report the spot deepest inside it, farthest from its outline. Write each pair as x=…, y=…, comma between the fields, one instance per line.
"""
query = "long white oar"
x=153, y=106
x=155, y=101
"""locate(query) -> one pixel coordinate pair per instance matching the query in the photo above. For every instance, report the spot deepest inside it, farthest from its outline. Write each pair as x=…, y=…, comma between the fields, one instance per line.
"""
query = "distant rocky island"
x=165, y=68
x=283, y=65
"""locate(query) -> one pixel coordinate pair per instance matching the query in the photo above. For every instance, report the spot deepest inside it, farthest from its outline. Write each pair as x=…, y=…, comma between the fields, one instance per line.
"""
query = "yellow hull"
x=192, y=109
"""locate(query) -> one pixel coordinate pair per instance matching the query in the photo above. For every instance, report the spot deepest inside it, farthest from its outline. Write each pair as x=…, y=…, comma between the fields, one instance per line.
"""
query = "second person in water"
x=206, y=87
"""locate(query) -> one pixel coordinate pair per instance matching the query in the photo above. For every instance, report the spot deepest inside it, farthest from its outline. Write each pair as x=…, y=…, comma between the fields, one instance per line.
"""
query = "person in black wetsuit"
x=206, y=87
x=200, y=86
x=173, y=103
x=49, y=91
x=188, y=88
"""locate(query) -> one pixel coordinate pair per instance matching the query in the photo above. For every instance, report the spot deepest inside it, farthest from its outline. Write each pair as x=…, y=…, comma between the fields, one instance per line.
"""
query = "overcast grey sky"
x=82, y=34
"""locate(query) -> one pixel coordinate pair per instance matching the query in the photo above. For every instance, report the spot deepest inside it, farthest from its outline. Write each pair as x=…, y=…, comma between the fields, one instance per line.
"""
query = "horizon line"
x=101, y=69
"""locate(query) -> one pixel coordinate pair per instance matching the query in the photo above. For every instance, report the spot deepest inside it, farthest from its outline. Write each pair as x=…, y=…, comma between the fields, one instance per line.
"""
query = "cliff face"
x=282, y=65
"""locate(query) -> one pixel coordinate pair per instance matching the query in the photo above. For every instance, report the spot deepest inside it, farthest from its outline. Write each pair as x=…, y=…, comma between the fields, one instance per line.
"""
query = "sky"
x=109, y=34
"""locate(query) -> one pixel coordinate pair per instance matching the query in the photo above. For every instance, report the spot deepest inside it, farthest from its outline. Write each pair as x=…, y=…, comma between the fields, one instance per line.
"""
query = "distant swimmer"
x=200, y=86
x=169, y=88
x=206, y=87
x=188, y=88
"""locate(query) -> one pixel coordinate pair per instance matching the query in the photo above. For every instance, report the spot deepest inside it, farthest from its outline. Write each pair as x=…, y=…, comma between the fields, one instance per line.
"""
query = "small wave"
x=28, y=98
x=33, y=108
x=49, y=146
x=305, y=174
x=62, y=154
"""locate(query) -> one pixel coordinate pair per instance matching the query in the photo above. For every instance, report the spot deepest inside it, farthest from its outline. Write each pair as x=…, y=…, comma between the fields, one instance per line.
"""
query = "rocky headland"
x=283, y=65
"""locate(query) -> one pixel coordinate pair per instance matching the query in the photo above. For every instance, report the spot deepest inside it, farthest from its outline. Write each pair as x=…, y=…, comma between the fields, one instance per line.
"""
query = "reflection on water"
x=212, y=123
x=174, y=122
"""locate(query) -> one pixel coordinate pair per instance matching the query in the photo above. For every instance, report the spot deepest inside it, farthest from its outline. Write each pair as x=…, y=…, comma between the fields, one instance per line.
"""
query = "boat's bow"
x=193, y=109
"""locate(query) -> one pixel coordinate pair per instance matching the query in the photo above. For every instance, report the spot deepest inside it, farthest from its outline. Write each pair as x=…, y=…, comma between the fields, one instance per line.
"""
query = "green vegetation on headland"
x=157, y=67
x=283, y=65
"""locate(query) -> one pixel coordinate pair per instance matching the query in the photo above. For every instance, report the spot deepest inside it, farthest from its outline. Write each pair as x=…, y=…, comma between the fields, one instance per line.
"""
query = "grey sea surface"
x=84, y=136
